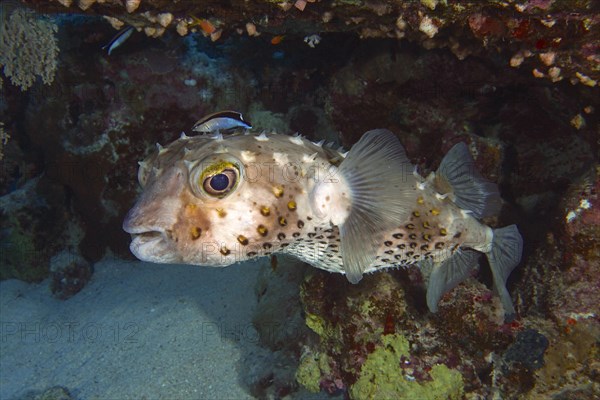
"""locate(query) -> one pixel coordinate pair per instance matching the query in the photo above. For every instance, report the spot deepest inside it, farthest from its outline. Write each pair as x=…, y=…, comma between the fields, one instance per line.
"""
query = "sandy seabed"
x=137, y=330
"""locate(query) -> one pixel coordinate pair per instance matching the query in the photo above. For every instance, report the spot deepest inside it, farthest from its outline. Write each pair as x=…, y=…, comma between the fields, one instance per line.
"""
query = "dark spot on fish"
x=398, y=235
x=309, y=218
x=388, y=243
x=267, y=246
x=266, y=211
x=311, y=234
x=443, y=232
x=242, y=239
x=320, y=237
x=424, y=247
x=296, y=234
x=398, y=257
x=262, y=230
x=401, y=246
x=300, y=224
x=457, y=235
x=221, y=213
x=284, y=245
x=282, y=221
x=225, y=251
x=409, y=253
x=412, y=236
x=389, y=252
x=427, y=237
x=278, y=191
x=385, y=260
x=291, y=205
x=410, y=226
x=251, y=254
x=413, y=245
x=426, y=225
x=416, y=214
x=439, y=245
x=195, y=232
x=281, y=236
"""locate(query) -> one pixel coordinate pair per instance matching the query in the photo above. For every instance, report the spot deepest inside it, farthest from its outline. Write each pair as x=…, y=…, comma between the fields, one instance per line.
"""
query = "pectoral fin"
x=382, y=191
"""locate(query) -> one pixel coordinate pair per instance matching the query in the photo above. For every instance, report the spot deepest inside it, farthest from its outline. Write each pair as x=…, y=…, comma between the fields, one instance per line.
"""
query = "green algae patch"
x=381, y=377
x=18, y=254
x=310, y=370
x=319, y=325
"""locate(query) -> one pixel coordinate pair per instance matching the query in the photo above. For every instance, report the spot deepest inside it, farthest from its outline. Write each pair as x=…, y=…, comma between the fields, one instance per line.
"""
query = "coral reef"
x=379, y=376
x=552, y=39
x=28, y=47
x=32, y=229
x=281, y=329
x=70, y=273
x=4, y=136
x=382, y=322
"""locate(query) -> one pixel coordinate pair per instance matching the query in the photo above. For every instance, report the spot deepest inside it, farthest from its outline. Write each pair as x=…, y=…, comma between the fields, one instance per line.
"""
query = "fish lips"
x=150, y=244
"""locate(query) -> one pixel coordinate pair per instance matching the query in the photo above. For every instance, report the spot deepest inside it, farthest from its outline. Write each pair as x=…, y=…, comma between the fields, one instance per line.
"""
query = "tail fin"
x=504, y=256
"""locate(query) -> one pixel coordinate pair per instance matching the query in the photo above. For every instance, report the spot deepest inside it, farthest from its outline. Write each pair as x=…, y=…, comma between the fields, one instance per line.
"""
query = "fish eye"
x=220, y=184
x=143, y=172
x=215, y=177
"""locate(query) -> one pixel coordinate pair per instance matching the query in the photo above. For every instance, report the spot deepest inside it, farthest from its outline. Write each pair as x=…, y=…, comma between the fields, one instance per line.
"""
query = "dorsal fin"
x=469, y=189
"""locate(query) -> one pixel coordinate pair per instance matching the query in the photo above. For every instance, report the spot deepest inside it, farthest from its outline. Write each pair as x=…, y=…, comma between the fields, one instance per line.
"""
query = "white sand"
x=136, y=331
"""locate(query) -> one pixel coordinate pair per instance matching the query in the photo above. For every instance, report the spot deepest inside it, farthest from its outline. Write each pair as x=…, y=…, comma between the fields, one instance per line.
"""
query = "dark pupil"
x=219, y=182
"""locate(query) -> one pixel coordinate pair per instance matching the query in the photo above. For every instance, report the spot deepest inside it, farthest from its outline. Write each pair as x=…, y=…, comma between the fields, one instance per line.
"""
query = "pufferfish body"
x=215, y=200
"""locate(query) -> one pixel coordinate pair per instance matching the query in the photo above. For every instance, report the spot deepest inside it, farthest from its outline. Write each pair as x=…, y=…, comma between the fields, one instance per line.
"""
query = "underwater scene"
x=299, y=199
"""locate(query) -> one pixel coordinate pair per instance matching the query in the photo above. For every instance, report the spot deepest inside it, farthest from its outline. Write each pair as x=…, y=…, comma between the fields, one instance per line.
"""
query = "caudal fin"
x=504, y=256
x=468, y=188
x=382, y=193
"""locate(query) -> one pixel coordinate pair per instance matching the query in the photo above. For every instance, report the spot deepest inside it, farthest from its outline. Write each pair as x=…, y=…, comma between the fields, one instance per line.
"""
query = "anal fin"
x=447, y=275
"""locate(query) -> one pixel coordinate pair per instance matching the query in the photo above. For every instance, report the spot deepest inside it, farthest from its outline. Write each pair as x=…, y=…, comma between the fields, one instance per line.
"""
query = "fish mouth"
x=153, y=245
x=147, y=237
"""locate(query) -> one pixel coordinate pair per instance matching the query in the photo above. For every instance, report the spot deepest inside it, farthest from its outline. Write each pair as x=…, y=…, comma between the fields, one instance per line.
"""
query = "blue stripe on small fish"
x=119, y=39
x=221, y=121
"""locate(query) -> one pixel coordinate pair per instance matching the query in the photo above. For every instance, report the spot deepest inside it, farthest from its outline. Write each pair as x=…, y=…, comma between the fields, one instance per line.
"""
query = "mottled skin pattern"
x=270, y=211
